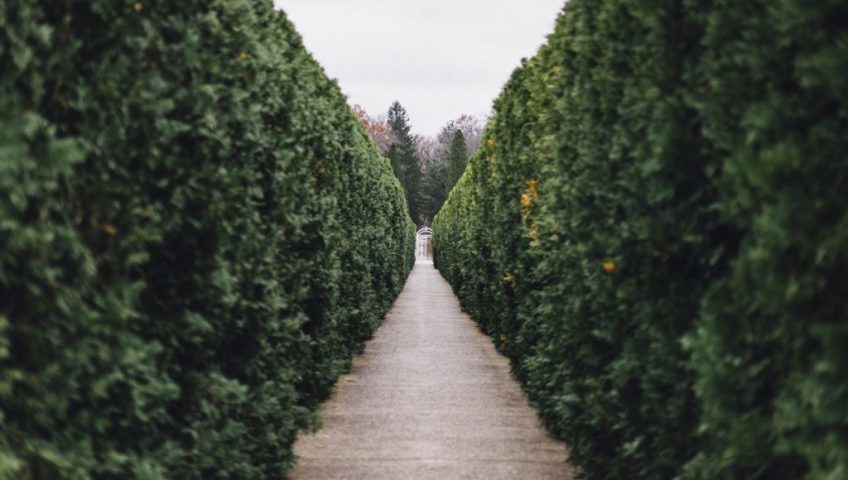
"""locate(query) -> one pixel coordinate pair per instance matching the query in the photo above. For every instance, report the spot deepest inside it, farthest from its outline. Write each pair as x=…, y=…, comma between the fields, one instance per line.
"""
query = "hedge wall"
x=655, y=231
x=196, y=234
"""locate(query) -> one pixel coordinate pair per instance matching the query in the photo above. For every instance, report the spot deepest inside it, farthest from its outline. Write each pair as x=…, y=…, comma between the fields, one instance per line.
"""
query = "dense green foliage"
x=655, y=232
x=457, y=159
x=404, y=158
x=195, y=236
x=433, y=190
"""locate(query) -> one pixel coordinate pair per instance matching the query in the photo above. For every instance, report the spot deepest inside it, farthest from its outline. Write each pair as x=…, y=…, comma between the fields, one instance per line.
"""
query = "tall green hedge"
x=655, y=231
x=196, y=234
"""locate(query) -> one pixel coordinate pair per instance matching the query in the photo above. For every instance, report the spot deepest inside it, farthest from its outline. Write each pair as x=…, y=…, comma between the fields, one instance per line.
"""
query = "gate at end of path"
x=424, y=243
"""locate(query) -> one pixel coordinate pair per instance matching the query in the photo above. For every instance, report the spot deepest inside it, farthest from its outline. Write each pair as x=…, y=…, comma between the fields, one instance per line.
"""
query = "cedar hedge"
x=655, y=232
x=196, y=234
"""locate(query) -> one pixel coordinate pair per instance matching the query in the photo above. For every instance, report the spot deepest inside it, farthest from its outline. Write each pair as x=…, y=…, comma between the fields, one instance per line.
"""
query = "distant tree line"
x=428, y=167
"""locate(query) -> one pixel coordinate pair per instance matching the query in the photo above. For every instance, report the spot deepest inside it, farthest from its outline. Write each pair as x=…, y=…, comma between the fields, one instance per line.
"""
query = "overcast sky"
x=439, y=58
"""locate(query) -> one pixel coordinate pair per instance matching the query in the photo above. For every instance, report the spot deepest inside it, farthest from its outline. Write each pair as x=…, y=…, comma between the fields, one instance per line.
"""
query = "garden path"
x=429, y=398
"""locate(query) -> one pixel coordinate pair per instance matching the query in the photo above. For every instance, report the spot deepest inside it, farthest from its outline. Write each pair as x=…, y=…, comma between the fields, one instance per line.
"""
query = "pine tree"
x=403, y=156
x=457, y=158
x=434, y=189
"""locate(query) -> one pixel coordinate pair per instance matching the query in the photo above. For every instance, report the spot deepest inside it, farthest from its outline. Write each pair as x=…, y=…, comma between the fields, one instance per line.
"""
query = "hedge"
x=196, y=234
x=655, y=232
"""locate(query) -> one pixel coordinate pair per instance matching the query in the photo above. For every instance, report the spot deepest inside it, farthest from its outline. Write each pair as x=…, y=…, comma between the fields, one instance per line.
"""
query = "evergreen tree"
x=434, y=189
x=437, y=154
x=457, y=158
x=403, y=156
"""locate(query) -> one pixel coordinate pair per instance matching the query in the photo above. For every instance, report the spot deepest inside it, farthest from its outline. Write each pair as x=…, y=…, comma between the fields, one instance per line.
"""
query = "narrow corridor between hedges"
x=429, y=398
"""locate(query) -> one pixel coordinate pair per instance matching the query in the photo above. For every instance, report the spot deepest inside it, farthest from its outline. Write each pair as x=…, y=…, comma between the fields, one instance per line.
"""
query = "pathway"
x=429, y=398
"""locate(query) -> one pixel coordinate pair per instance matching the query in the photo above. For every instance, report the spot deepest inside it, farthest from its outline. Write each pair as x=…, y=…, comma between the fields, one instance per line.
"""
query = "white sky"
x=439, y=58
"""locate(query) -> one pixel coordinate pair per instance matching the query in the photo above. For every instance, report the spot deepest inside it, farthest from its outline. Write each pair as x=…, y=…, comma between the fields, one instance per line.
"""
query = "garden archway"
x=424, y=243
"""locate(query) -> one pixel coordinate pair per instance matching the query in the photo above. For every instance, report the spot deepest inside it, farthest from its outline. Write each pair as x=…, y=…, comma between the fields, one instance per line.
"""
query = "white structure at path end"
x=424, y=243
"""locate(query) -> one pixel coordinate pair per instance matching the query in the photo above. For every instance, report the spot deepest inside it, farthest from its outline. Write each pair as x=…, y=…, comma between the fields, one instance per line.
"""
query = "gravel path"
x=429, y=398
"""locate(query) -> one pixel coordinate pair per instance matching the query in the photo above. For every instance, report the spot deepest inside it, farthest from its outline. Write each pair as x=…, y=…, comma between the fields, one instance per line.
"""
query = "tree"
x=434, y=176
x=377, y=128
x=472, y=130
x=404, y=159
x=434, y=155
x=457, y=158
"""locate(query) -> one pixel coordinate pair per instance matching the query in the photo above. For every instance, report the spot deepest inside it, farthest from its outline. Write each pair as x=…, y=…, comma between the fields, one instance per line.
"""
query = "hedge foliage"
x=196, y=234
x=655, y=231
